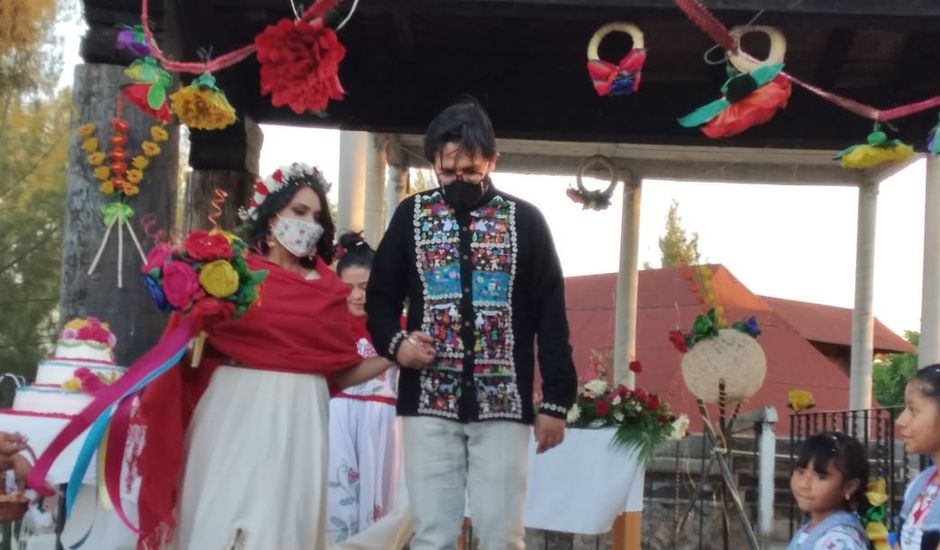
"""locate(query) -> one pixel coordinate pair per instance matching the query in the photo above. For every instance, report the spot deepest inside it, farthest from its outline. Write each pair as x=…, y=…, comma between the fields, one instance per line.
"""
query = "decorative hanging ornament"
x=731, y=359
x=933, y=144
x=623, y=78
x=595, y=199
x=300, y=64
x=753, y=93
x=120, y=177
x=202, y=105
x=148, y=92
x=878, y=150
x=132, y=40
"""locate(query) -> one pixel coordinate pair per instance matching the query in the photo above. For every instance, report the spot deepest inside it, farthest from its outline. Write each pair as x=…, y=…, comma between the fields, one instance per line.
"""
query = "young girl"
x=365, y=440
x=919, y=427
x=828, y=484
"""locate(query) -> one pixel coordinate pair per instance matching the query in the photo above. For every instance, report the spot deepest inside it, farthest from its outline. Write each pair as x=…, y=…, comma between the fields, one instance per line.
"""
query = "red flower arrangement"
x=300, y=64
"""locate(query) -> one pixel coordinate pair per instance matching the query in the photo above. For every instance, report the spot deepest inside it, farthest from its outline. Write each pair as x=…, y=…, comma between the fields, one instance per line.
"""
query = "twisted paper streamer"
x=216, y=205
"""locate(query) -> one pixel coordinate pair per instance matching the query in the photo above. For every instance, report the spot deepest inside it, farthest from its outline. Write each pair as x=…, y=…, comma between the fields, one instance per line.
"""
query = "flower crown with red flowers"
x=293, y=174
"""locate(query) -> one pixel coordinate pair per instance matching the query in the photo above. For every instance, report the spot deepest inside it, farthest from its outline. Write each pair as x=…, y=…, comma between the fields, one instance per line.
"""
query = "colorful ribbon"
x=620, y=79
x=118, y=210
x=112, y=403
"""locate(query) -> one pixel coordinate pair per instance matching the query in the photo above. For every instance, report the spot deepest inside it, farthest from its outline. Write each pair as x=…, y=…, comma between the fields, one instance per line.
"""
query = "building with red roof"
x=805, y=344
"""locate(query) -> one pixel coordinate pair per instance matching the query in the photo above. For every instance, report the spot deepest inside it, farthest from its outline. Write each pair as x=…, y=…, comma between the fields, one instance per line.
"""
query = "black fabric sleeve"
x=388, y=283
x=559, y=378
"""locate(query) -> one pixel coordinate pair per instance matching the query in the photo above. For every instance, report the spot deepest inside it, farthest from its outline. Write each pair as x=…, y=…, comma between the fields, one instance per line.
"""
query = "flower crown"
x=293, y=174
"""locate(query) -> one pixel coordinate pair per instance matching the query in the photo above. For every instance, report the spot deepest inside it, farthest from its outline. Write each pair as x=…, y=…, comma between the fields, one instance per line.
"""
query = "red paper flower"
x=678, y=340
x=211, y=310
x=203, y=247
x=653, y=402
x=757, y=108
x=94, y=333
x=299, y=64
x=636, y=367
x=137, y=94
x=91, y=384
x=602, y=407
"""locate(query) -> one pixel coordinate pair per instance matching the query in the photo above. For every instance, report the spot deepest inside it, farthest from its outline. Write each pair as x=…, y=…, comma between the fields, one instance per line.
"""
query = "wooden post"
x=227, y=160
x=134, y=319
x=627, y=530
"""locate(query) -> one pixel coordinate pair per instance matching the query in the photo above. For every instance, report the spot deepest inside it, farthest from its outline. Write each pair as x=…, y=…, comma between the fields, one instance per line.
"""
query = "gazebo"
x=525, y=60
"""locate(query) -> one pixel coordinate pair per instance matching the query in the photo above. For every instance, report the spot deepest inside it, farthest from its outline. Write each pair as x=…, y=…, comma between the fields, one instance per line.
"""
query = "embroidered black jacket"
x=488, y=286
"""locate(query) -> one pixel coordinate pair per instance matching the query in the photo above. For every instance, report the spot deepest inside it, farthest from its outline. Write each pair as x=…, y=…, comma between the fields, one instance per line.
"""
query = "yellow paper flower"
x=76, y=324
x=72, y=384
x=866, y=156
x=102, y=172
x=219, y=278
x=877, y=533
x=800, y=400
x=134, y=175
x=107, y=187
x=86, y=130
x=158, y=133
x=130, y=189
x=876, y=492
x=202, y=108
x=140, y=162
x=96, y=158
x=150, y=148
x=90, y=145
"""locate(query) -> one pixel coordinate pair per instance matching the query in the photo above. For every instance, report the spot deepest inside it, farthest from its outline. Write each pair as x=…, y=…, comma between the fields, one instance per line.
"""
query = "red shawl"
x=298, y=325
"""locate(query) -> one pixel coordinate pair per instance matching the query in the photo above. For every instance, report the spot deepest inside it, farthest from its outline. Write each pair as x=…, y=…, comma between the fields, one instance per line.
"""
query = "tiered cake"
x=83, y=363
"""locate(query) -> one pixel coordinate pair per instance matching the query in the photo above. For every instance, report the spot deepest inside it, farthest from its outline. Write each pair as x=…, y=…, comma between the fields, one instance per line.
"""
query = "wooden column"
x=132, y=316
x=227, y=160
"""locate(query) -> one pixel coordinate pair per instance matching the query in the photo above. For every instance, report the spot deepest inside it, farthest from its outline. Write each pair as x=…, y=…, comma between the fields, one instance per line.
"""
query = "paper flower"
x=203, y=246
x=800, y=400
x=876, y=492
x=140, y=162
x=203, y=105
x=300, y=64
x=150, y=148
x=148, y=92
x=157, y=256
x=96, y=158
x=677, y=339
x=157, y=295
x=218, y=278
x=130, y=189
x=748, y=99
x=134, y=175
x=159, y=133
x=878, y=150
x=106, y=188
x=86, y=130
x=748, y=326
x=90, y=383
x=636, y=367
x=90, y=145
x=133, y=41
x=179, y=283
x=212, y=309
x=94, y=333
x=138, y=95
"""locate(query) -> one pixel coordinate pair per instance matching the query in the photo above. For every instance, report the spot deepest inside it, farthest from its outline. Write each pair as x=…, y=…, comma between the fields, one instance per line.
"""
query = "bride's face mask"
x=296, y=228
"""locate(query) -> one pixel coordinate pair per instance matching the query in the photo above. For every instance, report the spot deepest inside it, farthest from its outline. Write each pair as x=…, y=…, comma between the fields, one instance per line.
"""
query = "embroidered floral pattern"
x=345, y=521
x=383, y=385
x=492, y=234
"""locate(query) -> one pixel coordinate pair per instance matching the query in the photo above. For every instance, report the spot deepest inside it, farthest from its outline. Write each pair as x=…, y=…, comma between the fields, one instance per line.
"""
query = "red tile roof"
x=833, y=325
x=665, y=301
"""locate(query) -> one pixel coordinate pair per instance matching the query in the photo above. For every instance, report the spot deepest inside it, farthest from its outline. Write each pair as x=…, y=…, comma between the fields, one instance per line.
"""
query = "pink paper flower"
x=94, y=333
x=91, y=384
x=179, y=283
x=156, y=257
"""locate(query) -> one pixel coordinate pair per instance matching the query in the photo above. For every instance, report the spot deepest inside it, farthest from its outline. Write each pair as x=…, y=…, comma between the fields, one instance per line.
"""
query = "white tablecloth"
x=582, y=485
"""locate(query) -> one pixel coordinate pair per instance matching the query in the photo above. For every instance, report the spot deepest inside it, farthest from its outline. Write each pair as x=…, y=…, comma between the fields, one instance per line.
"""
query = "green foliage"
x=892, y=372
x=34, y=139
x=677, y=248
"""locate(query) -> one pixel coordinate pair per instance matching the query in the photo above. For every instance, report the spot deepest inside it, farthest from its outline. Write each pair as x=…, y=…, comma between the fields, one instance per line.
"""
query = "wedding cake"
x=83, y=364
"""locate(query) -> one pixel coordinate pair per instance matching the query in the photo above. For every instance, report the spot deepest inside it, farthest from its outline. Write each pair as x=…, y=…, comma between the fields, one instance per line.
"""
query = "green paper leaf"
x=704, y=113
x=206, y=80
x=156, y=97
x=765, y=73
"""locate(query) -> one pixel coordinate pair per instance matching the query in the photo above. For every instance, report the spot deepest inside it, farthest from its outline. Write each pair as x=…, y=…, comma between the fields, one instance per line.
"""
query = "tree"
x=675, y=245
x=34, y=138
x=891, y=373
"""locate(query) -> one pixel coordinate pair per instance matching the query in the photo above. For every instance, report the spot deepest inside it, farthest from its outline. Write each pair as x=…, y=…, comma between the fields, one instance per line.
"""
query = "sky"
x=795, y=242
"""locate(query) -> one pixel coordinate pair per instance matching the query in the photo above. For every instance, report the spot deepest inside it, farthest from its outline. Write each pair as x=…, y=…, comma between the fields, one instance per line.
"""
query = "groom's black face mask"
x=462, y=195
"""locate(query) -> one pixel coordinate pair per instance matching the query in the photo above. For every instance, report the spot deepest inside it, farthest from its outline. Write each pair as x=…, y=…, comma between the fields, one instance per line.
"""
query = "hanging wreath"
x=300, y=64
x=596, y=199
x=753, y=94
x=623, y=78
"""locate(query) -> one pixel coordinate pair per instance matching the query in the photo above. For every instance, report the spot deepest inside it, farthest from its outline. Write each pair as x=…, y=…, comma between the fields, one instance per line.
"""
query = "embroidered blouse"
x=487, y=286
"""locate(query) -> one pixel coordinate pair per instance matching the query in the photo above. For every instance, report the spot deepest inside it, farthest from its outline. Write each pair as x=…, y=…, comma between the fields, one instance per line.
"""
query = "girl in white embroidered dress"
x=919, y=427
